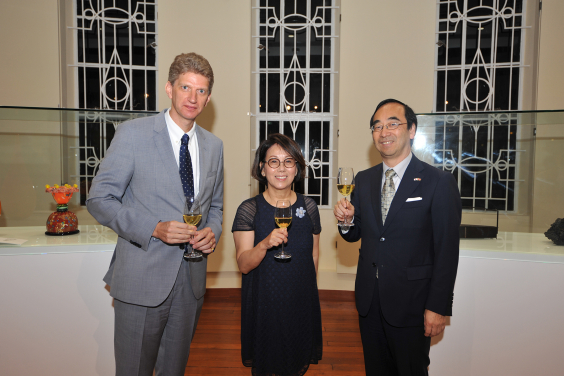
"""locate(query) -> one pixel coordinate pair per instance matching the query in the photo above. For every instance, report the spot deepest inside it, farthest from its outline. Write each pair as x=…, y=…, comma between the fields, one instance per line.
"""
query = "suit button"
x=374, y=264
x=382, y=239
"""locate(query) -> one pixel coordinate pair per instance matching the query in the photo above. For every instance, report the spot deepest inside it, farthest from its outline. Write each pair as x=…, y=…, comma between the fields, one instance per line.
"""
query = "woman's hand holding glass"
x=275, y=238
x=283, y=219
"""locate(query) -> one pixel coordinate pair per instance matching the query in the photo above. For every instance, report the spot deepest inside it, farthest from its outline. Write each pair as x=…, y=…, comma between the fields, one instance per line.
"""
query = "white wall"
x=29, y=57
x=551, y=72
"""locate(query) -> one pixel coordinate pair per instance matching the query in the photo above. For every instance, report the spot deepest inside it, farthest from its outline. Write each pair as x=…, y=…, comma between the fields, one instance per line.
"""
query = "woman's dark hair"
x=288, y=145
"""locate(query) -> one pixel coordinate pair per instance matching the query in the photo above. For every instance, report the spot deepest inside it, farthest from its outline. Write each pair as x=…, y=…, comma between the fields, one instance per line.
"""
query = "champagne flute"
x=283, y=218
x=345, y=185
x=192, y=216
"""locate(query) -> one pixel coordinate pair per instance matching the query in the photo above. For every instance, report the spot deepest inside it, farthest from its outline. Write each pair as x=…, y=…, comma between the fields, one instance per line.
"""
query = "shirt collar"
x=400, y=167
x=175, y=131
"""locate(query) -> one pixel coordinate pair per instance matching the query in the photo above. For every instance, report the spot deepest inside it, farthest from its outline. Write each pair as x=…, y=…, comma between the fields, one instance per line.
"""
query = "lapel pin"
x=417, y=179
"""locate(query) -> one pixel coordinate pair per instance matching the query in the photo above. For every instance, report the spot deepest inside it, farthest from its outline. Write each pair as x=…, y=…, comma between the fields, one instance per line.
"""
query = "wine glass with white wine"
x=192, y=216
x=345, y=185
x=283, y=218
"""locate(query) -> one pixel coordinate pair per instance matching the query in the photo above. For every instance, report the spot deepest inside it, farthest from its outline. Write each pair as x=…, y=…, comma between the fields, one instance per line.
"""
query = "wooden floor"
x=216, y=348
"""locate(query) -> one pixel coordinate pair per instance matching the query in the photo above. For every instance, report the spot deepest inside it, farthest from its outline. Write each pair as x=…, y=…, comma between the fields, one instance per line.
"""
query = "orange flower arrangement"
x=61, y=194
x=64, y=188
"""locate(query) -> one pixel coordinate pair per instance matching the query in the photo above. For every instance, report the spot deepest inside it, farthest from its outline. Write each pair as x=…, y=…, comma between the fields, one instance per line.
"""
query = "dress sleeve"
x=313, y=212
x=245, y=217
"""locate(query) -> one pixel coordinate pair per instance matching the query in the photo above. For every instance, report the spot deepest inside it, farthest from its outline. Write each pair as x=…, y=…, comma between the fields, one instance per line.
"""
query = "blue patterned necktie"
x=388, y=192
x=186, y=173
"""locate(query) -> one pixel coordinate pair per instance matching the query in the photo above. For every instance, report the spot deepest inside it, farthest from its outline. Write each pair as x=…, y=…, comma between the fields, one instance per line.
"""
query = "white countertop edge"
x=512, y=256
x=53, y=250
x=53, y=253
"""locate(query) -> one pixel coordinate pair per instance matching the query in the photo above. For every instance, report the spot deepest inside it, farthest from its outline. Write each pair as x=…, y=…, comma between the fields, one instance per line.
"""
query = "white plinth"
x=56, y=316
x=508, y=310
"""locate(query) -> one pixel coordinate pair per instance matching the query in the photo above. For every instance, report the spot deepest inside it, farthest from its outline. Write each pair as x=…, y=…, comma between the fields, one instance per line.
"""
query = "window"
x=481, y=151
x=479, y=59
x=479, y=66
x=115, y=61
x=294, y=77
x=116, y=54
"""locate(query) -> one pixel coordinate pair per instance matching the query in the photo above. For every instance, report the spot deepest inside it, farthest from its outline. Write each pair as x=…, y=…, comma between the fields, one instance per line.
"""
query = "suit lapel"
x=203, y=156
x=408, y=184
x=376, y=186
x=164, y=148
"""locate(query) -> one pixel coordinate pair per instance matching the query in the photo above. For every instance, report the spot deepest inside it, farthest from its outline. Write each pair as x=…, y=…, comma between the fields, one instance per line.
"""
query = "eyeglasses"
x=391, y=126
x=275, y=162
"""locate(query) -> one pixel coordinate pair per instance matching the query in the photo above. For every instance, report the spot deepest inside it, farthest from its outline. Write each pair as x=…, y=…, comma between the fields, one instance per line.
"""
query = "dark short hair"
x=288, y=145
x=409, y=114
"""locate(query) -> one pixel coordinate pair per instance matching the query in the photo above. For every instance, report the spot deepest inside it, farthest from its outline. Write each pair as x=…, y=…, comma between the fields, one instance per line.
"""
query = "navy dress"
x=280, y=312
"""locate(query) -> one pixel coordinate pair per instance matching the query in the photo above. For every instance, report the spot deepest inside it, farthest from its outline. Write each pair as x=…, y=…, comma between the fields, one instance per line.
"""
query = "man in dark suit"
x=407, y=214
x=152, y=165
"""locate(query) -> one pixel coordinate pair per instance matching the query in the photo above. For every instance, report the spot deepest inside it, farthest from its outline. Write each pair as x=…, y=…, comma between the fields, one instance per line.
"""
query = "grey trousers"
x=157, y=338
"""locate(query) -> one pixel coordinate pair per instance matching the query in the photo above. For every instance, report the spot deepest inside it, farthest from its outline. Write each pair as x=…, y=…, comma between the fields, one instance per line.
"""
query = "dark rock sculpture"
x=556, y=232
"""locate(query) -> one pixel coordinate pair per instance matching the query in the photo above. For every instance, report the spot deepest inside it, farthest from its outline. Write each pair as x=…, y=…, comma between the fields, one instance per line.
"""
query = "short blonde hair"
x=191, y=62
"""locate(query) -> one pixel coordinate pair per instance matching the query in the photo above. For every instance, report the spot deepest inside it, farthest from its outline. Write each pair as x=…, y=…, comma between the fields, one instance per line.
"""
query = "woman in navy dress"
x=280, y=312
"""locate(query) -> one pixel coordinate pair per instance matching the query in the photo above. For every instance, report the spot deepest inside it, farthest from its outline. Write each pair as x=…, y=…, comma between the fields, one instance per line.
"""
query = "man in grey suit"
x=138, y=192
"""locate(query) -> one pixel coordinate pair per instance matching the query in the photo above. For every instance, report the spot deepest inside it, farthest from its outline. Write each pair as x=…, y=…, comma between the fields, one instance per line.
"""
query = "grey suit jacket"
x=137, y=186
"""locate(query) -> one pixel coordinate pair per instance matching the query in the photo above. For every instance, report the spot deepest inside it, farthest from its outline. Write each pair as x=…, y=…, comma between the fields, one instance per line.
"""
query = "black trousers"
x=389, y=350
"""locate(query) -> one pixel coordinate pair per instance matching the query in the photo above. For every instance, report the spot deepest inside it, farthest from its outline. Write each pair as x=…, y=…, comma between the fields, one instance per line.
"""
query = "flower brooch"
x=300, y=212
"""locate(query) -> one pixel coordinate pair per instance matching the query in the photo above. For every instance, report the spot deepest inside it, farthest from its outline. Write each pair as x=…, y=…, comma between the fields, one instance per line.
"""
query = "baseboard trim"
x=324, y=295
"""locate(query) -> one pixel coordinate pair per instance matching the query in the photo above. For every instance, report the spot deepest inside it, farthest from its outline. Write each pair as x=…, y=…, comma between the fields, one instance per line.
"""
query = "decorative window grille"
x=479, y=66
x=116, y=54
x=95, y=131
x=116, y=69
x=481, y=151
x=294, y=79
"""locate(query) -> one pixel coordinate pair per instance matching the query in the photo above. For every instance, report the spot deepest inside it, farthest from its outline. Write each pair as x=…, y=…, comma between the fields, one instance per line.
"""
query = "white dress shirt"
x=176, y=133
x=399, y=170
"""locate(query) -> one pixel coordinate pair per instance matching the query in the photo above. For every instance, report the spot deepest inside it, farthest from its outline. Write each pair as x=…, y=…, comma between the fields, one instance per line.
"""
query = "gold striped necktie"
x=388, y=192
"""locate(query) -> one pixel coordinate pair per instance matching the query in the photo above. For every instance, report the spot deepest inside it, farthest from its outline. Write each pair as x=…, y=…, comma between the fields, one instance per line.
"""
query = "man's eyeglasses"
x=391, y=126
x=275, y=162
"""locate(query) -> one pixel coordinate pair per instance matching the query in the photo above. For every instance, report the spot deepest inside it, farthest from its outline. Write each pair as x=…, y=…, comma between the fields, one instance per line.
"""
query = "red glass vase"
x=63, y=221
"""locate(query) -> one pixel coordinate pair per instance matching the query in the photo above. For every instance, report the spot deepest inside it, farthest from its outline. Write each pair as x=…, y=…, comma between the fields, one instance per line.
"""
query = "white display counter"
x=508, y=310
x=56, y=315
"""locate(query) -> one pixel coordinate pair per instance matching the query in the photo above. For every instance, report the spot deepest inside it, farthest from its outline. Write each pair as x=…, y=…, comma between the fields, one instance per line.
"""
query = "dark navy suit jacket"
x=415, y=251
